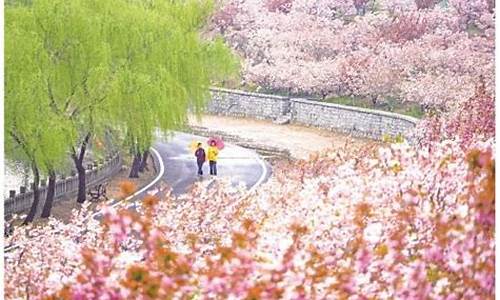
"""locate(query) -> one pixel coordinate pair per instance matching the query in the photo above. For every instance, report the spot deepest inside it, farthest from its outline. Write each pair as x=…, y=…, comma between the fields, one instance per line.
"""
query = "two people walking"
x=211, y=156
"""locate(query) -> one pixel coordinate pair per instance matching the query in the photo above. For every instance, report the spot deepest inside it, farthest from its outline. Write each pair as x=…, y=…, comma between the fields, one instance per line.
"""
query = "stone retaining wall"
x=96, y=173
x=359, y=122
x=244, y=104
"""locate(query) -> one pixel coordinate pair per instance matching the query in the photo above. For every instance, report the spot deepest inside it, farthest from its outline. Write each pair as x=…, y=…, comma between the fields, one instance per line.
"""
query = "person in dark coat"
x=200, y=158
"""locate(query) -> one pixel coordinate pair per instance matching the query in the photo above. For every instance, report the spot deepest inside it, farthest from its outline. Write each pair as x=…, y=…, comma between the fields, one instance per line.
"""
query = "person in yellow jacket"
x=212, y=154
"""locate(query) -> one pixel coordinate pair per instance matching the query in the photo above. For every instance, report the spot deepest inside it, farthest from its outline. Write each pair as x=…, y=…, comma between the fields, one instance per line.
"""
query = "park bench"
x=8, y=228
x=98, y=191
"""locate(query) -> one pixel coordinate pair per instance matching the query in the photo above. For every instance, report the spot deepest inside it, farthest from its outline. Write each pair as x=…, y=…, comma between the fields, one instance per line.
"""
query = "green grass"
x=390, y=105
x=473, y=30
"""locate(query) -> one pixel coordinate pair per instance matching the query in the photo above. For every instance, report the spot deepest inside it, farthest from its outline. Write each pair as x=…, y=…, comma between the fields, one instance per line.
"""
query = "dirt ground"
x=301, y=141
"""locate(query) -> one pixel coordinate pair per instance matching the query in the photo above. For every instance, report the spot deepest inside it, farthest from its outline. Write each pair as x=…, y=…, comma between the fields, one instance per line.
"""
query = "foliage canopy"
x=79, y=67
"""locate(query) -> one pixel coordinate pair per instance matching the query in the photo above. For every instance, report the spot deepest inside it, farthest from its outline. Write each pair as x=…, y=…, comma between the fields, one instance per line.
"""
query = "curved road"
x=234, y=162
x=178, y=167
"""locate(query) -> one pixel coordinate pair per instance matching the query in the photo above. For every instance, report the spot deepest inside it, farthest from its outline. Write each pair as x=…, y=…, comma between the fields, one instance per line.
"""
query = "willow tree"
x=166, y=68
x=76, y=72
x=130, y=65
x=34, y=136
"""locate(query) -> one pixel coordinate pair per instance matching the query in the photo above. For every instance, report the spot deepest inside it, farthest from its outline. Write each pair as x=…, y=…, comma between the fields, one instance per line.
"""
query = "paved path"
x=234, y=163
x=178, y=167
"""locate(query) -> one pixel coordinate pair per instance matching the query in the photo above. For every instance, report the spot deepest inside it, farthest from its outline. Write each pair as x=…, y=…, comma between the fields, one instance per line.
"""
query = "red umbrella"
x=219, y=143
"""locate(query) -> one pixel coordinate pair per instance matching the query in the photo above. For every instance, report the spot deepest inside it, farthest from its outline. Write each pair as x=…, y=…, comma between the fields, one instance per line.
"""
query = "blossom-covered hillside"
x=387, y=223
x=432, y=53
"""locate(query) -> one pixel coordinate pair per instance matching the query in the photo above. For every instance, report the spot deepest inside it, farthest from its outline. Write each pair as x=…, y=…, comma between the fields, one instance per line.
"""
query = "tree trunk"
x=36, y=195
x=134, y=171
x=49, y=200
x=78, y=160
x=81, y=182
x=144, y=162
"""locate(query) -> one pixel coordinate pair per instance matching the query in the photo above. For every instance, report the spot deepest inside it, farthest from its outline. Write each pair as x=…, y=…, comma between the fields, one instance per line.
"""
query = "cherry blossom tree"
x=477, y=12
x=387, y=222
x=473, y=120
x=283, y=6
x=425, y=4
